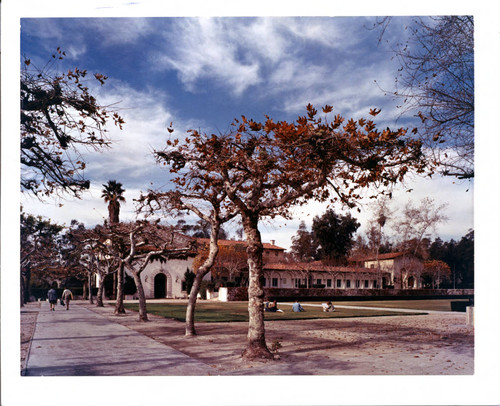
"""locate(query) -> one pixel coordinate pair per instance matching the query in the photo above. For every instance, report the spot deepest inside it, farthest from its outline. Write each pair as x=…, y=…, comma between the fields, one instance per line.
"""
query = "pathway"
x=80, y=342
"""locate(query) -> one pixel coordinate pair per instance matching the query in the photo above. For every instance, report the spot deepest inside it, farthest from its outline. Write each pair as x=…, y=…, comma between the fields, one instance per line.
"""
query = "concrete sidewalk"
x=80, y=342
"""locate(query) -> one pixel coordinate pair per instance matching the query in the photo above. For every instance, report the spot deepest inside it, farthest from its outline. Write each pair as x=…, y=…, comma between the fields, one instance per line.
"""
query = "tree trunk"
x=84, y=293
x=143, y=315
x=100, y=290
x=115, y=284
x=193, y=296
x=91, y=299
x=119, y=309
x=202, y=271
x=256, y=340
x=22, y=290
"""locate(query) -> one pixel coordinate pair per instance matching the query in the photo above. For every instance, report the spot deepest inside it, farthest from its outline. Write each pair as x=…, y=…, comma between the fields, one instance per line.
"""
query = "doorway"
x=160, y=286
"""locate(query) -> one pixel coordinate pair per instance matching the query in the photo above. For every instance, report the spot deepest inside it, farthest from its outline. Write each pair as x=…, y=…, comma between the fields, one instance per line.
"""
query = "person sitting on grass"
x=297, y=307
x=273, y=307
x=328, y=307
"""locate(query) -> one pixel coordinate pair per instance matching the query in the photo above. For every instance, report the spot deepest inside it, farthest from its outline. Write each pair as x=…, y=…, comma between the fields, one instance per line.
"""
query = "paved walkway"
x=80, y=342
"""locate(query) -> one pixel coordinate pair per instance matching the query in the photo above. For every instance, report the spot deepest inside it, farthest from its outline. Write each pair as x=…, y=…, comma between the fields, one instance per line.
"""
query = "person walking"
x=66, y=297
x=52, y=296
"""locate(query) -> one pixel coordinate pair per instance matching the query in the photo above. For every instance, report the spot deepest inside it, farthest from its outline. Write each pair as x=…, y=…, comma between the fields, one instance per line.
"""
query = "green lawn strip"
x=431, y=304
x=238, y=312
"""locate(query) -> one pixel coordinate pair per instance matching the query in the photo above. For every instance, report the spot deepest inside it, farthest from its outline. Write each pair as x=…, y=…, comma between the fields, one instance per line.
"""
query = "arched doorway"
x=160, y=286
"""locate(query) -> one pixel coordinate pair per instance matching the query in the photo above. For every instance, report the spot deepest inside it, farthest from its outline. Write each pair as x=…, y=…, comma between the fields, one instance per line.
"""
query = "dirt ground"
x=433, y=344
x=29, y=314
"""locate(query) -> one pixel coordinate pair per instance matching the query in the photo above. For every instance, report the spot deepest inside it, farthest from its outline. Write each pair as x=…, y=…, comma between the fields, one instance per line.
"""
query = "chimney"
x=273, y=242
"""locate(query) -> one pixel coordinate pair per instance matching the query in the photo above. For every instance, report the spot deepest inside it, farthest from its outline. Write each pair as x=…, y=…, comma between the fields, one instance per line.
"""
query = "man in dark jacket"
x=52, y=296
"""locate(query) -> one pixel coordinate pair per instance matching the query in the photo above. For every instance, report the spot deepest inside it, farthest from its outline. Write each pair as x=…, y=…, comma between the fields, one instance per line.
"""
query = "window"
x=297, y=282
x=274, y=282
x=264, y=282
x=366, y=284
x=358, y=283
x=283, y=281
x=339, y=283
x=374, y=284
x=347, y=283
x=328, y=283
x=318, y=281
x=372, y=266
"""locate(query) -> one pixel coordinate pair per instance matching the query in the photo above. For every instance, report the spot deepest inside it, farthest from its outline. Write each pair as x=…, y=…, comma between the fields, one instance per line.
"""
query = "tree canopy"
x=112, y=193
x=335, y=236
x=59, y=116
x=264, y=168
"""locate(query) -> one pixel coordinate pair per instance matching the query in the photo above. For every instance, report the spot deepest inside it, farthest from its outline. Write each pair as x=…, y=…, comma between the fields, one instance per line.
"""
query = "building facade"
x=405, y=271
x=318, y=275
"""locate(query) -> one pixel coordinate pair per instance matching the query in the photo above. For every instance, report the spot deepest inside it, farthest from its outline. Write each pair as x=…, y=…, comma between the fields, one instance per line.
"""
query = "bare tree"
x=140, y=244
x=436, y=82
x=210, y=205
x=415, y=223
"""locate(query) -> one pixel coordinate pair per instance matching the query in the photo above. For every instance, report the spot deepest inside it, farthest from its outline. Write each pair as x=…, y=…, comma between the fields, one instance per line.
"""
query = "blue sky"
x=203, y=72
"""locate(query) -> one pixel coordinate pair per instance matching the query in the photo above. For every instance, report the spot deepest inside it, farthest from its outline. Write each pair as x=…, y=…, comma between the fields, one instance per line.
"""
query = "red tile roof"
x=266, y=245
x=381, y=257
x=316, y=266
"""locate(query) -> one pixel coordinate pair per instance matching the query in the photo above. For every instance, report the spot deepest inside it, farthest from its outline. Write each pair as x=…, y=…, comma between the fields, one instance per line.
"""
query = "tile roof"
x=316, y=266
x=381, y=257
x=266, y=245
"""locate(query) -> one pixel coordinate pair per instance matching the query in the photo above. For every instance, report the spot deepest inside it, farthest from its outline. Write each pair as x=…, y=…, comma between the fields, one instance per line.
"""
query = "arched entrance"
x=160, y=286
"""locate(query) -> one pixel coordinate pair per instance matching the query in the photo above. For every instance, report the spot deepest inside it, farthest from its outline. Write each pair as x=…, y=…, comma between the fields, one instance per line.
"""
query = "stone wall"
x=240, y=294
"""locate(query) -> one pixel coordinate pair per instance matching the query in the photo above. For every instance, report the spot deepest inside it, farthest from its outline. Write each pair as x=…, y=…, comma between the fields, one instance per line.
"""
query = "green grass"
x=431, y=304
x=238, y=311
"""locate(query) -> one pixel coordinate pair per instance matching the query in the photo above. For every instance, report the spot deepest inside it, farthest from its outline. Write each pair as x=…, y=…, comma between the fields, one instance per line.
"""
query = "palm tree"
x=113, y=195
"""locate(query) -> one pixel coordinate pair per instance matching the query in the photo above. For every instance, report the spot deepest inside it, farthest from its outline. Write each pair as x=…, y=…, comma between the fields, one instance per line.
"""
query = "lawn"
x=431, y=304
x=238, y=311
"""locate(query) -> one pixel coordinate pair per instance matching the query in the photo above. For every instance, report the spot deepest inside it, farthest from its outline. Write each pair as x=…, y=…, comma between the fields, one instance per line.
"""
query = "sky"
x=201, y=73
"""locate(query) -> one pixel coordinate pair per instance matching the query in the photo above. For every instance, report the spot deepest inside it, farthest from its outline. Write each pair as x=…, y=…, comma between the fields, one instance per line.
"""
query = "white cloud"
x=89, y=210
x=130, y=159
x=204, y=48
x=239, y=53
x=460, y=210
x=120, y=30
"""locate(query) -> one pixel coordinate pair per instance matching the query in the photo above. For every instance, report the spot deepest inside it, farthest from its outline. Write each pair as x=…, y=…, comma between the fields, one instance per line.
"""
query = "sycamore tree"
x=266, y=168
x=231, y=259
x=40, y=243
x=436, y=273
x=60, y=117
x=77, y=255
x=136, y=244
x=415, y=224
x=92, y=248
x=205, y=197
